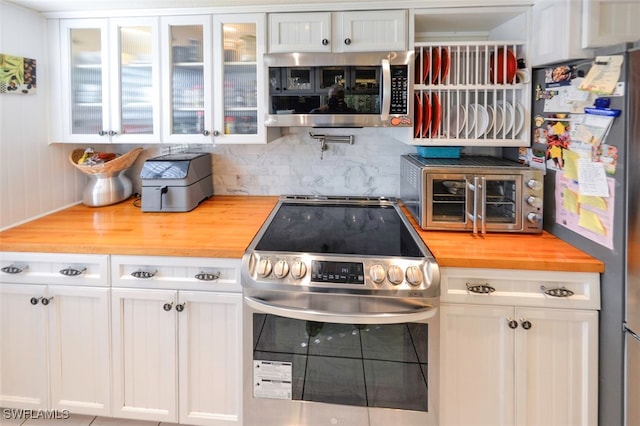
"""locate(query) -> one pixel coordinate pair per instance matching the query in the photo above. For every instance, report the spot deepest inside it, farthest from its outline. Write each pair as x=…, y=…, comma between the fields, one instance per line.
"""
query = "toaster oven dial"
x=377, y=273
x=395, y=275
x=534, y=201
x=534, y=217
x=298, y=269
x=414, y=275
x=534, y=184
x=264, y=268
x=281, y=269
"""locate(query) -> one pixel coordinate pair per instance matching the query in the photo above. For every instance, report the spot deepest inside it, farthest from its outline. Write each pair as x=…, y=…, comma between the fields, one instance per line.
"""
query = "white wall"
x=35, y=178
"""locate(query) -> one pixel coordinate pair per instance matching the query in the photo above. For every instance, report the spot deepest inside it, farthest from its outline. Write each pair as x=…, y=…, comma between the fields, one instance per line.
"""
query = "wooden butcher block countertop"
x=224, y=226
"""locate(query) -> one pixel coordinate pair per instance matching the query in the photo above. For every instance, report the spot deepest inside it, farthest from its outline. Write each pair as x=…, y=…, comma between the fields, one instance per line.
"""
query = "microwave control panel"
x=399, y=89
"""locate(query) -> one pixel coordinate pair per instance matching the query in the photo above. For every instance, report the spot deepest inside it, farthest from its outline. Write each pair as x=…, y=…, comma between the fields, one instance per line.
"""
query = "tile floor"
x=75, y=420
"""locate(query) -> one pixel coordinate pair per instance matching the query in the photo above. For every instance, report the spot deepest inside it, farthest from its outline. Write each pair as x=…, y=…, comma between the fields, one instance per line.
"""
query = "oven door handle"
x=411, y=315
x=386, y=90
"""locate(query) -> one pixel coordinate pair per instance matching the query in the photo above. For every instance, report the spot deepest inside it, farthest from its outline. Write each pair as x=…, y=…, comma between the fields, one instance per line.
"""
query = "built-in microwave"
x=472, y=193
x=339, y=89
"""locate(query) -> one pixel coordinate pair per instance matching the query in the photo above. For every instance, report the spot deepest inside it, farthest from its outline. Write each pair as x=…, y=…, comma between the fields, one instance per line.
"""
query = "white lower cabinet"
x=509, y=359
x=176, y=352
x=54, y=339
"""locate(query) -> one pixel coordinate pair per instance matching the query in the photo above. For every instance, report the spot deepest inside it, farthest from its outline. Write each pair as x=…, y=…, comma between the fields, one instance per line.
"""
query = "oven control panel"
x=342, y=272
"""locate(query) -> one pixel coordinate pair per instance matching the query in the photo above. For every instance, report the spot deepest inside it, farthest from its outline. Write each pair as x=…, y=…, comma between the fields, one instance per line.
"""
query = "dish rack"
x=471, y=94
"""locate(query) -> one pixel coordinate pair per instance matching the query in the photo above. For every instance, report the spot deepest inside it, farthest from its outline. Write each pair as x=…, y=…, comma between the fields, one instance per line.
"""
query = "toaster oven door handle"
x=474, y=218
x=412, y=314
x=386, y=90
x=483, y=205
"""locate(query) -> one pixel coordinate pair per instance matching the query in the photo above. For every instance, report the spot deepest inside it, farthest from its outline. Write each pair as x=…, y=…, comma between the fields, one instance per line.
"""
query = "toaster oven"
x=474, y=194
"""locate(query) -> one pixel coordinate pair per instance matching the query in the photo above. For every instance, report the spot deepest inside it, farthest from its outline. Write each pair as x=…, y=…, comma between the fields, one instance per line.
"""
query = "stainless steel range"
x=341, y=302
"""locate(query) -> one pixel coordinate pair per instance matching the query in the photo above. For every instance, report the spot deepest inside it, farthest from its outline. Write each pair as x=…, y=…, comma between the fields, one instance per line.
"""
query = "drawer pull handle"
x=72, y=272
x=144, y=274
x=14, y=269
x=206, y=276
x=557, y=292
x=480, y=288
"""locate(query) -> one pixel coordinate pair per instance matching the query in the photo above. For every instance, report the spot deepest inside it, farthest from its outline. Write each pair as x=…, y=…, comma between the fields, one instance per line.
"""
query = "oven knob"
x=264, y=268
x=536, y=185
x=534, y=202
x=281, y=269
x=395, y=275
x=414, y=275
x=534, y=217
x=298, y=269
x=377, y=273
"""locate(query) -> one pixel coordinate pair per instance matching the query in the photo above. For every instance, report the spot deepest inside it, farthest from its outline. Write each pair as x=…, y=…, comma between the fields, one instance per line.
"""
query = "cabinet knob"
x=167, y=306
x=347, y=41
x=206, y=133
x=45, y=301
x=513, y=324
x=526, y=324
x=103, y=133
x=112, y=133
x=180, y=307
x=35, y=300
x=216, y=133
x=325, y=41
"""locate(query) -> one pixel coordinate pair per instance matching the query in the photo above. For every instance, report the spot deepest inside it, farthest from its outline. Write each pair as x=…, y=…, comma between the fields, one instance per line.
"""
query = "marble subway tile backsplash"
x=292, y=164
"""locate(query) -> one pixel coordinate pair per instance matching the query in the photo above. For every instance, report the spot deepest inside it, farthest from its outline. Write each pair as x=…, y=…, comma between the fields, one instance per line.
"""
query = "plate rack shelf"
x=471, y=94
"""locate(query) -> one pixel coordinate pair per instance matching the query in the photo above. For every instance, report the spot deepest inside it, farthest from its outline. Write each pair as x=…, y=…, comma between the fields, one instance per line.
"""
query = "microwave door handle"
x=483, y=205
x=386, y=90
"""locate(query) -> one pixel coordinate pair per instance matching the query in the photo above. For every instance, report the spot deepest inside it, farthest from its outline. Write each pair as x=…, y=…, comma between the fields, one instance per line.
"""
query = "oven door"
x=307, y=366
x=478, y=203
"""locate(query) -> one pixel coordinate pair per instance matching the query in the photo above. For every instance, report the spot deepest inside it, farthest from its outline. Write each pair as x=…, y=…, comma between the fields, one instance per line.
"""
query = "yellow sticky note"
x=589, y=220
x=571, y=159
x=590, y=200
x=570, y=200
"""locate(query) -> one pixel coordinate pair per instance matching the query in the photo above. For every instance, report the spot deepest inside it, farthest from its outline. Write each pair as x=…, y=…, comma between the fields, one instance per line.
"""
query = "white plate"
x=492, y=120
x=457, y=120
x=509, y=114
x=518, y=120
x=471, y=121
x=482, y=120
x=498, y=114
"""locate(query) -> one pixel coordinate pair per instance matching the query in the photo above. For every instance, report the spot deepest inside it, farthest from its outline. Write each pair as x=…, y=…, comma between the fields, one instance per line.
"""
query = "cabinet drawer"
x=182, y=273
x=54, y=268
x=569, y=290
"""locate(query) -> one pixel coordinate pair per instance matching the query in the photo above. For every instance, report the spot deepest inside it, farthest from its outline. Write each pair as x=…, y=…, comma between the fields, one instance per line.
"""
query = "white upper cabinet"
x=187, y=64
x=571, y=29
x=606, y=22
x=110, y=81
x=361, y=31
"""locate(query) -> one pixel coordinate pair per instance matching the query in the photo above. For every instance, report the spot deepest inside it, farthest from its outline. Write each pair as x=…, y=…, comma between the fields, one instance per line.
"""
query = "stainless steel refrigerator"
x=619, y=354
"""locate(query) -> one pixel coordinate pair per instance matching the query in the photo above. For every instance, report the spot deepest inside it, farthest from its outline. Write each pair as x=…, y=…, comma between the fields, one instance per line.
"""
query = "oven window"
x=502, y=197
x=360, y=365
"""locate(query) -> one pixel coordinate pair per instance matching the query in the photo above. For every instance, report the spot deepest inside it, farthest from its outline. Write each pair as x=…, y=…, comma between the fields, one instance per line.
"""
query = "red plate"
x=426, y=116
x=435, y=65
x=511, y=66
x=445, y=63
x=422, y=77
x=436, y=114
x=417, y=125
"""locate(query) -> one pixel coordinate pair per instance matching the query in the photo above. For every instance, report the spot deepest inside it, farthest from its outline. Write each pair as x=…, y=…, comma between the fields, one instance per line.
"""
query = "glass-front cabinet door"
x=110, y=80
x=187, y=79
x=239, y=79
